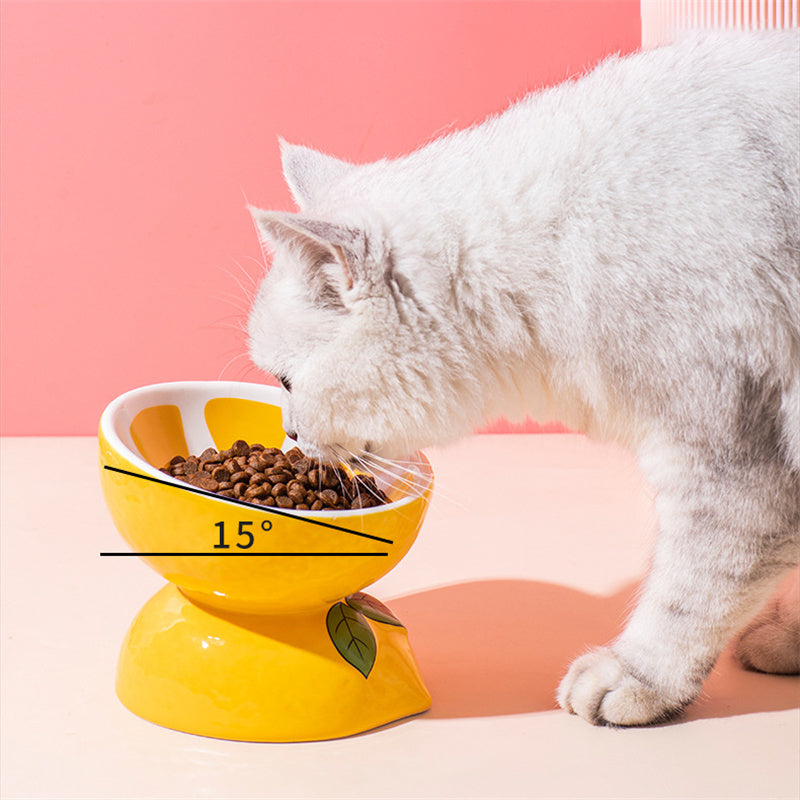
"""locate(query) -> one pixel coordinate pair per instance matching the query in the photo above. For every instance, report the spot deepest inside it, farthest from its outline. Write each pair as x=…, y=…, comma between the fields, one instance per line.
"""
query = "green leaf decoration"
x=352, y=637
x=372, y=608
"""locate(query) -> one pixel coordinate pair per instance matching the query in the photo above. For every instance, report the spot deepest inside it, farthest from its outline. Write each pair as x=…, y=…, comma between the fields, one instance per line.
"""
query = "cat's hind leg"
x=771, y=641
x=728, y=532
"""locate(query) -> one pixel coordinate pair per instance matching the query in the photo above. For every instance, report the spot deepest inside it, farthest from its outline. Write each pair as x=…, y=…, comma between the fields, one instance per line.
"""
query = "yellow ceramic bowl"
x=224, y=553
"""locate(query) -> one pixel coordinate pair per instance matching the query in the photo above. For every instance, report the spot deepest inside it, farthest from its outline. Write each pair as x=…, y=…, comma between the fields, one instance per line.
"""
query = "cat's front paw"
x=599, y=688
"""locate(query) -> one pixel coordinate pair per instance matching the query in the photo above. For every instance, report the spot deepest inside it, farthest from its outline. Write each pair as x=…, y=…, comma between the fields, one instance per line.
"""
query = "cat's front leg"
x=726, y=536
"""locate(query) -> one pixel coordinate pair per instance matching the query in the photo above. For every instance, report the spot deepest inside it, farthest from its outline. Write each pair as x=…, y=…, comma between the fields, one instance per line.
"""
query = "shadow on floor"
x=495, y=647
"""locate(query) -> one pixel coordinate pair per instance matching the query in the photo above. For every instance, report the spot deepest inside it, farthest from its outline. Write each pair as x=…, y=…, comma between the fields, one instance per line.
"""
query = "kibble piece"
x=296, y=492
x=362, y=501
x=254, y=491
x=366, y=485
x=203, y=481
x=294, y=455
x=279, y=489
x=329, y=477
x=266, y=459
x=302, y=465
x=283, y=501
x=329, y=497
x=240, y=448
x=220, y=473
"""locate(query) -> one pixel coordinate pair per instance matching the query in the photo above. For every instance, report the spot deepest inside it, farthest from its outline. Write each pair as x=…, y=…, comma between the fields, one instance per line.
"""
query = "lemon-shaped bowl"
x=227, y=553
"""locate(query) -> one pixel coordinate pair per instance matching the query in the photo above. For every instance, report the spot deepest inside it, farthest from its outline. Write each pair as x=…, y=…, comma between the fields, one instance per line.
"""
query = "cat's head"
x=350, y=318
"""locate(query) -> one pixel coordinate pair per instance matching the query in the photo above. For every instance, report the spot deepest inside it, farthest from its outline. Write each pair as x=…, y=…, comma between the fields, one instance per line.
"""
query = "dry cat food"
x=267, y=476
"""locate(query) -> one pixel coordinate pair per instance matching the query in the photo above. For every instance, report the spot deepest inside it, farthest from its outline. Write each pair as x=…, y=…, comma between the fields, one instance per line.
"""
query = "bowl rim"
x=247, y=391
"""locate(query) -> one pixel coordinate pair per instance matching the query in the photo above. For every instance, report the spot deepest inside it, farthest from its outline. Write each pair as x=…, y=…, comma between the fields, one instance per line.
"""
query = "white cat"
x=621, y=253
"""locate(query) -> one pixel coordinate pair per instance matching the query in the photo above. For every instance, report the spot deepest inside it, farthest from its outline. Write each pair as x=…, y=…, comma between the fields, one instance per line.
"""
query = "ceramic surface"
x=264, y=634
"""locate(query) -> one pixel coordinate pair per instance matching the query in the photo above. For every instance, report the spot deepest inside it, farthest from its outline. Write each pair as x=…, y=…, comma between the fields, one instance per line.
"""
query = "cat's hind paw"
x=770, y=643
x=602, y=691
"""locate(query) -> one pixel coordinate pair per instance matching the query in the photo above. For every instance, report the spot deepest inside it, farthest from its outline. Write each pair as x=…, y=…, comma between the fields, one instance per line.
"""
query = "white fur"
x=619, y=253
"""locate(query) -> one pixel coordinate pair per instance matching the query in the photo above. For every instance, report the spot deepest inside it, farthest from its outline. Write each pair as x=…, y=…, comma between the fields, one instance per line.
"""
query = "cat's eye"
x=285, y=382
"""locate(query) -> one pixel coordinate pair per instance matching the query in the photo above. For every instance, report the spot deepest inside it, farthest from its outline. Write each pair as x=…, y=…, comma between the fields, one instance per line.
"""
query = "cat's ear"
x=322, y=244
x=307, y=172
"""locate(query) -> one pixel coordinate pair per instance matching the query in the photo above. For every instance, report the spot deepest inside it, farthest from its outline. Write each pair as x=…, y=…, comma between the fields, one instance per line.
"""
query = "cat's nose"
x=291, y=434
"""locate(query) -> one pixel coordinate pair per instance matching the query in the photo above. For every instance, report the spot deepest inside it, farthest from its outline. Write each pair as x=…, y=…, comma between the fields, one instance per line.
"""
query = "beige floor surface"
x=532, y=549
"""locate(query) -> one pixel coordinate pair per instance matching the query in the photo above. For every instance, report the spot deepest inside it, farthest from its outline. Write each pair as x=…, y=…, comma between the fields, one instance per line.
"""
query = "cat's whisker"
x=349, y=458
x=401, y=474
x=234, y=322
x=407, y=467
x=243, y=301
x=260, y=263
x=357, y=460
x=338, y=473
x=242, y=305
x=250, y=287
x=245, y=296
x=393, y=463
x=248, y=366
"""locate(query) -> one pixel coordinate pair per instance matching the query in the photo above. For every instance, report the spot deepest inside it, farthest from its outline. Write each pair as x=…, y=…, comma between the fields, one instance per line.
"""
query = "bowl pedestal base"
x=318, y=674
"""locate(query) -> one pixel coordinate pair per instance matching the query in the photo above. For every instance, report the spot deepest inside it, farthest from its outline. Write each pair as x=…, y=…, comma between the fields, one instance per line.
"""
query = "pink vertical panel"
x=134, y=133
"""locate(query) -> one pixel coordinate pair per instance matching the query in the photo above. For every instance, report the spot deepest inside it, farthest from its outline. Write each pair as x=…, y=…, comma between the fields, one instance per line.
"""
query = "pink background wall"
x=134, y=133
